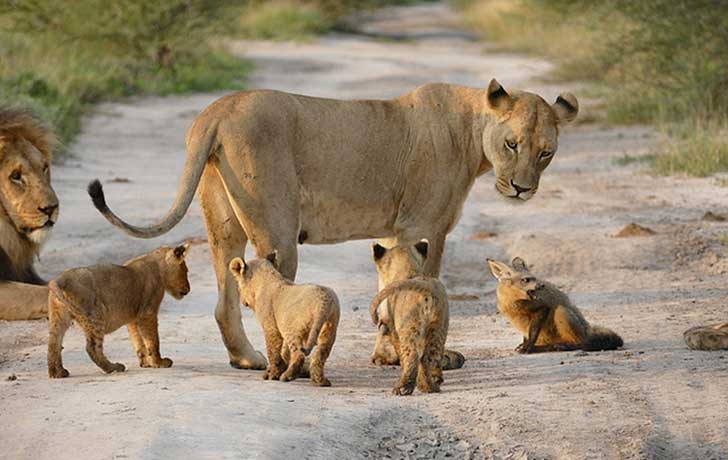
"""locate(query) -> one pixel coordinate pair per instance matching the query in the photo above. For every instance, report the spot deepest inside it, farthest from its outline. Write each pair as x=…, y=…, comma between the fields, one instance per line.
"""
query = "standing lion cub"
x=416, y=315
x=102, y=298
x=294, y=318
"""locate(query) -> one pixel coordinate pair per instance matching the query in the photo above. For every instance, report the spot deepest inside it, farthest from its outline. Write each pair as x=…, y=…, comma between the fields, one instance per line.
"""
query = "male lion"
x=280, y=169
x=102, y=298
x=28, y=211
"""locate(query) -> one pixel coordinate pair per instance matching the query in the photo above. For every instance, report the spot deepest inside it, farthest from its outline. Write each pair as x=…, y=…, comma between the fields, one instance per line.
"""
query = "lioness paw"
x=116, y=367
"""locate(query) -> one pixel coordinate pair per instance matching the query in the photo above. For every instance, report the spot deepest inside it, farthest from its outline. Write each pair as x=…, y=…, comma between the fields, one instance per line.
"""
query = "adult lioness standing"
x=280, y=169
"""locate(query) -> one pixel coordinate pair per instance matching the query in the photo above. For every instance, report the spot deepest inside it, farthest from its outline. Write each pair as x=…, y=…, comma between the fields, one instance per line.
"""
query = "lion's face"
x=26, y=194
x=522, y=140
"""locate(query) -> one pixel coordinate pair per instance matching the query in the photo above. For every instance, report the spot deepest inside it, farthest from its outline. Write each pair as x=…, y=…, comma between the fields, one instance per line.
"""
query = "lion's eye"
x=545, y=154
x=15, y=176
x=525, y=280
x=511, y=144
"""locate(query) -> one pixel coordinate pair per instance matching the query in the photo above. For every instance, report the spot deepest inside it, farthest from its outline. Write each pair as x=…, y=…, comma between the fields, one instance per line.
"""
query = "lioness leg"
x=95, y=350
x=227, y=239
x=139, y=348
x=149, y=327
x=321, y=353
x=59, y=322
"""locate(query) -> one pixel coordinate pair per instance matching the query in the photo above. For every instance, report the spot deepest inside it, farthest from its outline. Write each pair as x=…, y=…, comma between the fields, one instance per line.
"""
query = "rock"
x=713, y=217
x=633, y=229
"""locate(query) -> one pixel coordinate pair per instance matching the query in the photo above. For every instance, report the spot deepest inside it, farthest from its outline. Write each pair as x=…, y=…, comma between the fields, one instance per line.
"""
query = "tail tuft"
x=96, y=192
x=452, y=359
x=602, y=338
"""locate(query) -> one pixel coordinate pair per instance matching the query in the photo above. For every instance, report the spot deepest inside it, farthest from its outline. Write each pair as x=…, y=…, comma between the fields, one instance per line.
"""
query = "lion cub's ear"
x=378, y=251
x=273, y=258
x=180, y=252
x=238, y=266
x=566, y=107
x=519, y=264
x=498, y=98
x=499, y=270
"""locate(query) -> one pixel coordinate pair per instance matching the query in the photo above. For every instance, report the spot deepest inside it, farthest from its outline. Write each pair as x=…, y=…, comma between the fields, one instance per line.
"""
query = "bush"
x=284, y=21
x=659, y=61
x=57, y=60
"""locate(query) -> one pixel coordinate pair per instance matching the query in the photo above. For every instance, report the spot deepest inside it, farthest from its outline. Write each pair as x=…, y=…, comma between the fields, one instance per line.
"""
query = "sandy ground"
x=652, y=400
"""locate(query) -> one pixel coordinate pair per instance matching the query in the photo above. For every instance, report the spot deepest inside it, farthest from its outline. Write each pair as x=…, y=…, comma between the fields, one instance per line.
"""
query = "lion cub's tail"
x=318, y=322
x=416, y=285
x=601, y=338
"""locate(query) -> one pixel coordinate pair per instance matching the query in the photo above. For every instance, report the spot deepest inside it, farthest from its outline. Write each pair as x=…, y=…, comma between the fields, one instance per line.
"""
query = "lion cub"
x=416, y=315
x=544, y=314
x=294, y=318
x=102, y=298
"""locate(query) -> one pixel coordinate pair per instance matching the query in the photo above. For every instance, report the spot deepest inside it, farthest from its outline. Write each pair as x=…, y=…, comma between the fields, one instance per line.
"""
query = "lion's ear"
x=566, y=107
x=498, y=98
x=238, y=266
x=273, y=258
x=422, y=248
x=181, y=251
x=378, y=251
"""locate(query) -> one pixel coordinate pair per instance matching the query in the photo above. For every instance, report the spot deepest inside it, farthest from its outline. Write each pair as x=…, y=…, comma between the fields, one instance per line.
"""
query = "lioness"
x=102, y=298
x=544, y=314
x=280, y=169
x=294, y=318
x=28, y=211
x=416, y=316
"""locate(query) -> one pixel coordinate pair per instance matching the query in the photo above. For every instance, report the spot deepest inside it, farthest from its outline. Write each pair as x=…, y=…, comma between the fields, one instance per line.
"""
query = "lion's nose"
x=49, y=210
x=519, y=189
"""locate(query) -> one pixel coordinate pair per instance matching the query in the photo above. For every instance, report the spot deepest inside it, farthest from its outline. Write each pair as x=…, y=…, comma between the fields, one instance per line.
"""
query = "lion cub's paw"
x=271, y=374
x=427, y=388
x=165, y=362
x=404, y=390
x=323, y=382
x=116, y=367
x=287, y=377
x=58, y=373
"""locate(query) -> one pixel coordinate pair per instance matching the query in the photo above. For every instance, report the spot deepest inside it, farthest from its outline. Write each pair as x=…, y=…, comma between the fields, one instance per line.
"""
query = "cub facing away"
x=294, y=318
x=544, y=314
x=102, y=298
x=416, y=315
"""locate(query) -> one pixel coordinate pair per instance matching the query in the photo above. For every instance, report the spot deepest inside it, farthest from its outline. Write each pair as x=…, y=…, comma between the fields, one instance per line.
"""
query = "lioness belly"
x=327, y=219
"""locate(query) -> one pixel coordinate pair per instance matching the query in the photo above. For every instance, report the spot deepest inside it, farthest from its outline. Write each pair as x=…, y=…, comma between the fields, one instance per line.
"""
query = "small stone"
x=12, y=378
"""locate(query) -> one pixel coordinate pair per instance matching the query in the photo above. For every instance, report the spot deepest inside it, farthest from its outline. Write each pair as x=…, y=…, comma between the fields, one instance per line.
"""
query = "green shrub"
x=57, y=60
x=284, y=21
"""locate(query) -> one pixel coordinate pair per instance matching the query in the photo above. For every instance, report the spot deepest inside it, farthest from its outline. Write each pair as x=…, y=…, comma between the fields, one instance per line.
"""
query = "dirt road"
x=652, y=400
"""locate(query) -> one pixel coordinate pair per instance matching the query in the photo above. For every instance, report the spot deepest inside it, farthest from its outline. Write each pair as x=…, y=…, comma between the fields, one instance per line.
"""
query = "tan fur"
x=543, y=314
x=102, y=298
x=294, y=319
x=277, y=169
x=708, y=338
x=25, y=148
x=416, y=316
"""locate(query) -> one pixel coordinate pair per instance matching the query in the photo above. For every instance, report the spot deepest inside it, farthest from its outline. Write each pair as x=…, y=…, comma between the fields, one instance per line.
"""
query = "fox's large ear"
x=273, y=258
x=498, y=98
x=378, y=251
x=238, y=266
x=499, y=270
x=566, y=107
x=519, y=264
x=422, y=248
